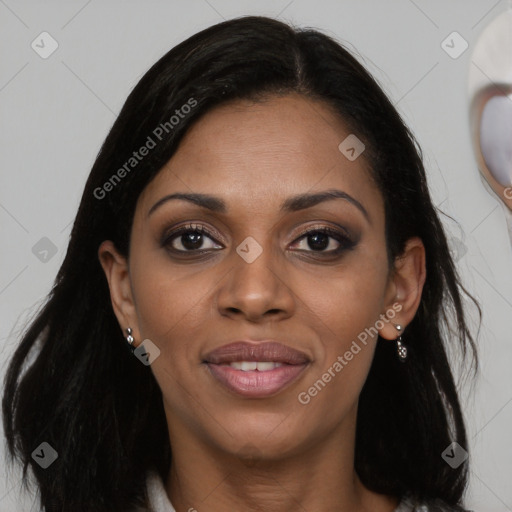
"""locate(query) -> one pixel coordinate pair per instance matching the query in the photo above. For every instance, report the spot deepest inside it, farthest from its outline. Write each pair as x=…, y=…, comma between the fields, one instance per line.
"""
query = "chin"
x=267, y=436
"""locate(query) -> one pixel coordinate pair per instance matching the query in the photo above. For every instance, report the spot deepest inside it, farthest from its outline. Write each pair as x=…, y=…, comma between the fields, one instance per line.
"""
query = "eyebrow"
x=292, y=204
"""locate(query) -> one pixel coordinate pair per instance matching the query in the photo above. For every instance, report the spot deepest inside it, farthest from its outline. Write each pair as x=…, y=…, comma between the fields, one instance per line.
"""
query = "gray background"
x=57, y=111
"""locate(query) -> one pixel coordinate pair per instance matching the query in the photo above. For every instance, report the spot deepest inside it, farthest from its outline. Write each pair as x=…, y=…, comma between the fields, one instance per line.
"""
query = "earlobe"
x=115, y=266
x=406, y=285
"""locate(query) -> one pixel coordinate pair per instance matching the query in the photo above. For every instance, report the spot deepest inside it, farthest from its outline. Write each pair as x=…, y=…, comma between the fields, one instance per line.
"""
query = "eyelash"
x=345, y=242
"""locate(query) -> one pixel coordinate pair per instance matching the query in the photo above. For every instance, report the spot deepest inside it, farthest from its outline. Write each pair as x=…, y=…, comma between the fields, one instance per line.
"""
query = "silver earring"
x=129, y=338
x=401, y=349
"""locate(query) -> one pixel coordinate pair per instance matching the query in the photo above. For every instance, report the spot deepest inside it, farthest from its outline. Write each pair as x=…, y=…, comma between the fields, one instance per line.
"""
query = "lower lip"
x=253, y=383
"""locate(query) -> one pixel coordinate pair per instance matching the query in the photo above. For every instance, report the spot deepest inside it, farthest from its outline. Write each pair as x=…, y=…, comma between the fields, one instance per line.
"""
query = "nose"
x=256, y=290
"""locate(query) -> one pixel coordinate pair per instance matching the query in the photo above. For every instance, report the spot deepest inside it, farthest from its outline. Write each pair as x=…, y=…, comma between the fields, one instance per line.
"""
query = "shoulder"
x=411, y=504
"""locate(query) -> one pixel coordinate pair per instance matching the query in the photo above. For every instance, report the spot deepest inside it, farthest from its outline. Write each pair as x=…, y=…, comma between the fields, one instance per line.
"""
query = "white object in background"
x=490, y=114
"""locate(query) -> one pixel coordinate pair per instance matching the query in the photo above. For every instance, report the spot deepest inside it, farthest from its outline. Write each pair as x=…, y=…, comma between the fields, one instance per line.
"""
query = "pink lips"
x=255, y=383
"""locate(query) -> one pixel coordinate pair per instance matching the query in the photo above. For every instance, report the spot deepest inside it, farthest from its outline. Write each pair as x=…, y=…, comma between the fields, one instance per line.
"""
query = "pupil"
x=196, y=240
x=316, y=244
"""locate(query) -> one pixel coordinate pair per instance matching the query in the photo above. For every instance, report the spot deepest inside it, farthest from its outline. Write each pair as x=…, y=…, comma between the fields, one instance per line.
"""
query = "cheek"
x=170, y=306
x=343, y=310
x=345, y=303
x=172, y=314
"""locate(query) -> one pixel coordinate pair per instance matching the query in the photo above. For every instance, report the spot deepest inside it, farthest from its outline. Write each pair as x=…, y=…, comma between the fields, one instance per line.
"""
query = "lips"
x=256, y=369
x=252, y=351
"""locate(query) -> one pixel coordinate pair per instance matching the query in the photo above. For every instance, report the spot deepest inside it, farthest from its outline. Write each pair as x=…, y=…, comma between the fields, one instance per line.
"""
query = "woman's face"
x=253, y=275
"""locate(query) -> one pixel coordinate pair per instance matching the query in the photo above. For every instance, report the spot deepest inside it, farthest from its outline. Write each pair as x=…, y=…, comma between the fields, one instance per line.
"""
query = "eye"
x=323, y=237
x=189, y=238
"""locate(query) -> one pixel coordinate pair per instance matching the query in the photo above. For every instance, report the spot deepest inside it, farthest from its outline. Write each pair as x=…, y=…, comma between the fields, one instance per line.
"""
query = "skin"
x=231, y=452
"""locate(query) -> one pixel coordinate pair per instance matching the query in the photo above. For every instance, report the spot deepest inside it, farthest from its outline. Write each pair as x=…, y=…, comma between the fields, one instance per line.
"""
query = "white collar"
x=158, y=499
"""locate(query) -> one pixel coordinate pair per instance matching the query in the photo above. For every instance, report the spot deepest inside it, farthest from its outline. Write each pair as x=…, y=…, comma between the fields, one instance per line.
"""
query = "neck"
x=318, y=477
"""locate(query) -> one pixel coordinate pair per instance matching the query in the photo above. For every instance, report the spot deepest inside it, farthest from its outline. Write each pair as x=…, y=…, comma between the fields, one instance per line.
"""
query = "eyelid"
x=191, y=226
x=168, y=234
x=345, y=240
x=338, y=230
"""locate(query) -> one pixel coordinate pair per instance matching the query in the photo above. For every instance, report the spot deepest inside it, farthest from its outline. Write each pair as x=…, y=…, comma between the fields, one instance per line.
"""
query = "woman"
x=257, y=231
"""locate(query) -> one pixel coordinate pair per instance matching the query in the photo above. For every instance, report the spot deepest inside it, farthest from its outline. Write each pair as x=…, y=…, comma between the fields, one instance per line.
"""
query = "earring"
x=401, y=349
x=130, y=339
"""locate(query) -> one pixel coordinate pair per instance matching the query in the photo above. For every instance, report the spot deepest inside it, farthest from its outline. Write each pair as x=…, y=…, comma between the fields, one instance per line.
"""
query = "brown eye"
x=318, y=239
x=191, y=238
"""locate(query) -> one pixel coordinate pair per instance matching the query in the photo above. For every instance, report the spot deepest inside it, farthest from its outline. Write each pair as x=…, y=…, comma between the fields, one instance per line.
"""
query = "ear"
x=117, y=273
x=404, y=288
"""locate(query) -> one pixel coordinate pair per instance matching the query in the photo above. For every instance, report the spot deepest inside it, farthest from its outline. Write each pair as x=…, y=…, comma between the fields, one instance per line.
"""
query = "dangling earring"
x=130, y=339
x=401, y=349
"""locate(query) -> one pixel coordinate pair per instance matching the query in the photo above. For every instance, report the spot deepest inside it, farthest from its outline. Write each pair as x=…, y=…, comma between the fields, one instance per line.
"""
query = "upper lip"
x=269, y=350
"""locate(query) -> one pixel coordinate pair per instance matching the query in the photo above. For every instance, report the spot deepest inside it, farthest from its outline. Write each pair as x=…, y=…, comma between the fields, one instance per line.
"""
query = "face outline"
x=190, y=305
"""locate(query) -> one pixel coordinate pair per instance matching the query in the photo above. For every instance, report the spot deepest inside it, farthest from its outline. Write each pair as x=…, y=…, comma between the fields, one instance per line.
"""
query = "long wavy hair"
x=72, y=383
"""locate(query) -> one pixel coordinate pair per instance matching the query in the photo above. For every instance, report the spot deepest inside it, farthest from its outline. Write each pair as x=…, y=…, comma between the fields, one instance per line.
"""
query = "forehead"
x=255, y=152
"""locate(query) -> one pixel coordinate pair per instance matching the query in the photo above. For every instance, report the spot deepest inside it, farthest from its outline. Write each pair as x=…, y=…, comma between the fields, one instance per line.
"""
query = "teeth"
x=263, y=367
x=254, y=365
x=245, y=365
